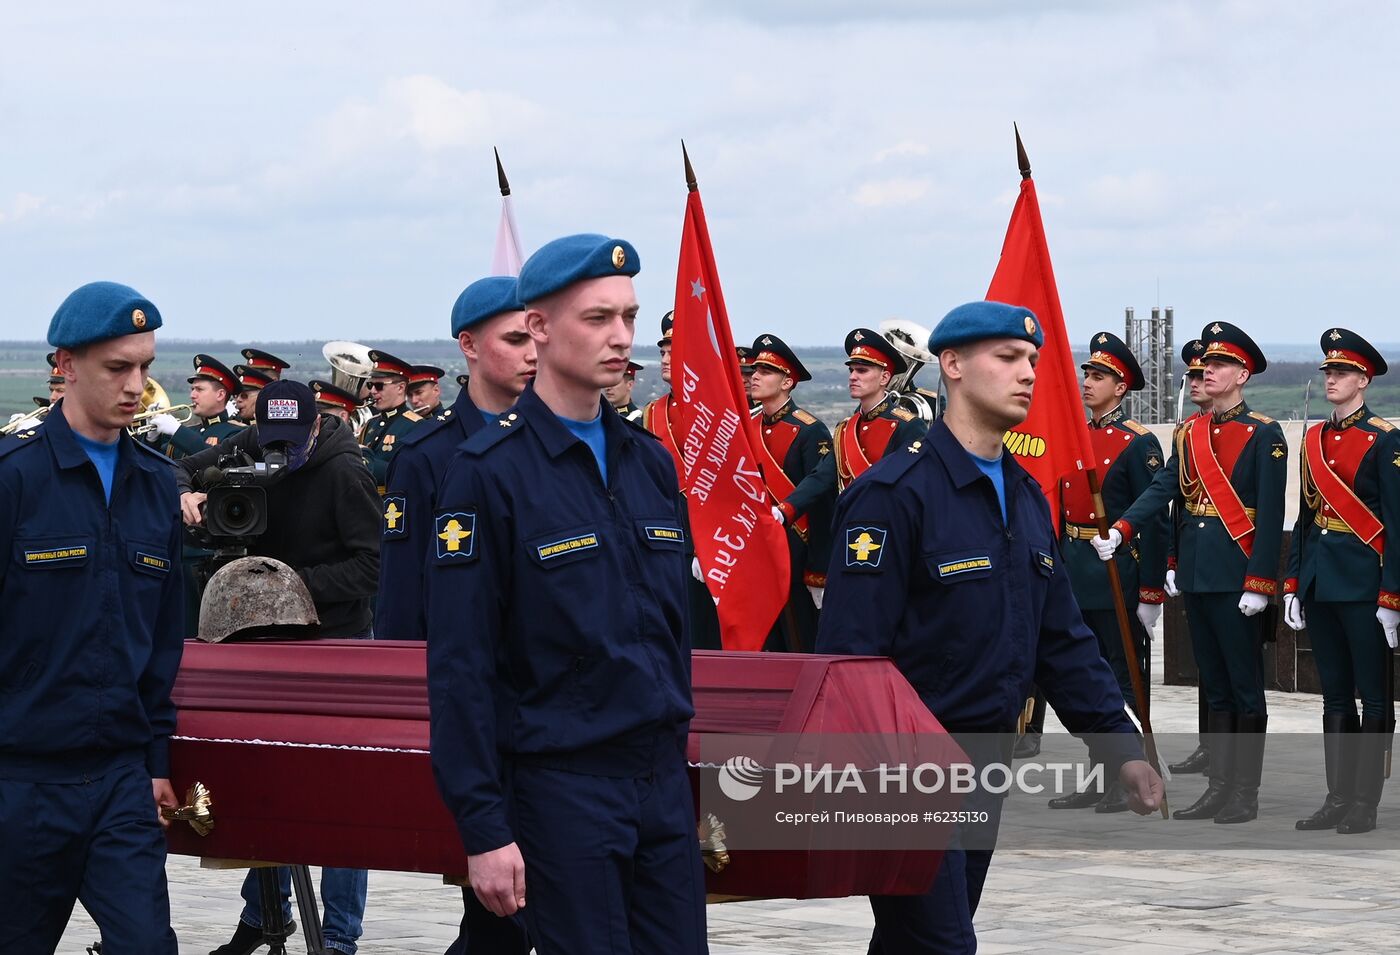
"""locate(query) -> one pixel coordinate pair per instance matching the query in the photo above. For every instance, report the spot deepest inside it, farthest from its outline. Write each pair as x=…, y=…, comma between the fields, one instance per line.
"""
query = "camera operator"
x=323, y=514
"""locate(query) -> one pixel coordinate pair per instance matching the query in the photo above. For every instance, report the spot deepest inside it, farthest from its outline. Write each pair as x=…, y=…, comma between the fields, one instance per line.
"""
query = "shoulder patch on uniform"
x=1261, y=418
x=865, y=547
x=431, y=426
x=1380, y=423
x=412, y=416
x=488, y=437
x=237, y=423
x=1136, y=427
x=903, y=414
x=20, y=439
x=395, y=515
x=805, y=417
x=454, y=533
x=889, y=469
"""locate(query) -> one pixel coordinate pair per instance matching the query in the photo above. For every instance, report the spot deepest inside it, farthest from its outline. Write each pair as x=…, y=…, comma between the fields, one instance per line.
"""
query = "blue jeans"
x=342, y=895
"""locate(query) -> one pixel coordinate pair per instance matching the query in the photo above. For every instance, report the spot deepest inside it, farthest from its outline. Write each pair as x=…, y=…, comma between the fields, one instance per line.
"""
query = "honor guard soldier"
x=1229, y=481
x=656, y=416
x=424, y=392
x=800, y=472
x=57, y=383
x=488, y=322
x=947, y=564
x=1127, y=456
x=90, y=529
x=210, y=387
x=1191, y=354
x=388, y=387
x=336, y=401
x=1343, y=580
x=620, y=394
x=879, y=426
x=250, y=384
x=265, y=362
x=557, y=653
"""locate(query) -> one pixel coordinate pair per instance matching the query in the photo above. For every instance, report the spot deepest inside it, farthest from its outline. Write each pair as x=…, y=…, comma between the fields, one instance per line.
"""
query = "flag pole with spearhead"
x=1120, y=608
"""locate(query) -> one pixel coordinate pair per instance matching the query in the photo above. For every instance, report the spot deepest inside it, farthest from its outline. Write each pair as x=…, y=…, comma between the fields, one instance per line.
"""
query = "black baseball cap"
x=286, y=412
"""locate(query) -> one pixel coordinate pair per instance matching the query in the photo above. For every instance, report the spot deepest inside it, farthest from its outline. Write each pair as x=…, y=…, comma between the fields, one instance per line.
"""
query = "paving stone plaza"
x=1230, y=890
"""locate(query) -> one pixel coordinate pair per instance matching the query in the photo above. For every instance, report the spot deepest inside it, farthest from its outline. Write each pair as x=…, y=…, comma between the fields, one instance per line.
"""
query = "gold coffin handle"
x=712, y=847
x=198, y=810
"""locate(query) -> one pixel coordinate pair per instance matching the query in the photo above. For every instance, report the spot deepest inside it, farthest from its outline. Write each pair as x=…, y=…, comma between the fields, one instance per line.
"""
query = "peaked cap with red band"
x=387, y=366
x=1231, y=343
x=867, y=347
x=772, y=351
x=1110, y=353
x=1346, y=349
x=207, y=368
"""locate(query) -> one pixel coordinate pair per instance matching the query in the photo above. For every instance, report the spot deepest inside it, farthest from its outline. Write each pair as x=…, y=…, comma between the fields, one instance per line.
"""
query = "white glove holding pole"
x=695, y=569
x=166, y=424
x=1252, y=603
x=1390, y=623
x=1170, y=585
x=1293, y=612
x=1106, y=546
x=1148, y=615
x=817, y=594
x=778, y=516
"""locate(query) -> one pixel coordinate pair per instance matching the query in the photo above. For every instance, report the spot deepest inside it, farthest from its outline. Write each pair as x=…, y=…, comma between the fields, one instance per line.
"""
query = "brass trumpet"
x=34, y=417
x=142, y=422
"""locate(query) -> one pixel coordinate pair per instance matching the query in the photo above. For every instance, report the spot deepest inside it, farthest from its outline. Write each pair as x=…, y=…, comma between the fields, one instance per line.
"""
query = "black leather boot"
x=1370, y=776
x=1247, y=769
x=247, y=939
x=1028, y=745
x=1222, y=744
x=1114, y=800
x=1084, y=800
x=1339, y=755
x=1197, y=762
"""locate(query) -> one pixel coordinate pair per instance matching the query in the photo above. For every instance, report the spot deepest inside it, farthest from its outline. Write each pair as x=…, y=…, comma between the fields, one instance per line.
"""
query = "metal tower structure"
x=1151, y=341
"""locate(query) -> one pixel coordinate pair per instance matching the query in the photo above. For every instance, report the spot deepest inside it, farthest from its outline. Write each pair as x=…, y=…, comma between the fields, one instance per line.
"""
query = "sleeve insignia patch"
x=395, y=515
x=823, y=447
x=865, y=547
x=1154, y=461
x=456, y=536
x=1278, y=452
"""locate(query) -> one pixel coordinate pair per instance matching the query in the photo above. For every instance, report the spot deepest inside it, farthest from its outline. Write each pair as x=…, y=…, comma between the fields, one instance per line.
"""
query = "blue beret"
x=483, y=299
x=976, y=321
x=99, y=311
x=563, y=262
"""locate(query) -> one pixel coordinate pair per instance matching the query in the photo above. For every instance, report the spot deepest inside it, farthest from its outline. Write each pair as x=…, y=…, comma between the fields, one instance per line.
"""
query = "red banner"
x=1054, y=439
x=743, y=551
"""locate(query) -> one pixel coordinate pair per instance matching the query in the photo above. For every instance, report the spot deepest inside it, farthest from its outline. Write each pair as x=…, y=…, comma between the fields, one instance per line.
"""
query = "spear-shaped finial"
x=690, y=183
x=1021, y=159
x=501, y=173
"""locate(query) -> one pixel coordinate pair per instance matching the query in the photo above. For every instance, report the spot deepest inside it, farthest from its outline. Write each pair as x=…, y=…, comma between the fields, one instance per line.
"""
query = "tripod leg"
x=274, y=928
x=305, y=894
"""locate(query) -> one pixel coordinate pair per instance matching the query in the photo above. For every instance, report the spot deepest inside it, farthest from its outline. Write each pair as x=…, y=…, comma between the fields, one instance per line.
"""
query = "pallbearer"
x=879, y=426
x=1230, y=479
x=1343, y=579
x=265, y=362
x=800, y=471
x=388, y=386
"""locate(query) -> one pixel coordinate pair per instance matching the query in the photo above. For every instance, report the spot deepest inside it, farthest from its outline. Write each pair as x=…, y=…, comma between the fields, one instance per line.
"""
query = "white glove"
x=1106, y=547
x=695, y=569
x=166, y=424
x=778, y=516
x=16, y=416
x=1148, y=614
x=1390, y=623
x=1293, y=612
x=1252, y=603
x=819, y=592
x=1170, y=585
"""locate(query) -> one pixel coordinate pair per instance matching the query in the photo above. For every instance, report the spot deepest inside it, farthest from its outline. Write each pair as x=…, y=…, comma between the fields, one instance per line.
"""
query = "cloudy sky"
x=323, y=170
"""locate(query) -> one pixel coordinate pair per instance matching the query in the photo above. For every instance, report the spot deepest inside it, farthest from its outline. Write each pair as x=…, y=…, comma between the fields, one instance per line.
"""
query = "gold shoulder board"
x=1381, y=423
x=904, y=414
x=804, y=417
x=1261, y=418
x=413, y=416
x=1136, y=428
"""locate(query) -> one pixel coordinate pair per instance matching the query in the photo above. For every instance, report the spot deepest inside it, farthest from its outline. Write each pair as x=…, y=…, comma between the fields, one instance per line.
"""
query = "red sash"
x=851, y=461
x=1342, y=498
x=1217, y=485
x=779, y=484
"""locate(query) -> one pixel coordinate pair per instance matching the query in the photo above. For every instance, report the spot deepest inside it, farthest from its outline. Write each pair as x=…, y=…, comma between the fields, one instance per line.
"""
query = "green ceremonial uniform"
x=380, y=436
x=194, y=438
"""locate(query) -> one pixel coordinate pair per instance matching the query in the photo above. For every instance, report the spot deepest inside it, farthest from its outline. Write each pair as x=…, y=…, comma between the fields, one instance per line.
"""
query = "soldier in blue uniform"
x=488, y=322
x=800, y=471
x=89, y=528
x=424, y=392
x=1229, y=481
x=558, y=661
x=1126, y=455
x=1343, y=580
x=380, y=437
x=947, y=564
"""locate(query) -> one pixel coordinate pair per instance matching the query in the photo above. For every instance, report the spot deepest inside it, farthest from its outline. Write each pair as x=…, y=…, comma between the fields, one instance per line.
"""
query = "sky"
x=313, y=170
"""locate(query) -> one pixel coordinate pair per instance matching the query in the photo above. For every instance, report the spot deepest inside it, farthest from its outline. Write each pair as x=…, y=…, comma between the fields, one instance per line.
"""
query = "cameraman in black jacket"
x=323, y=516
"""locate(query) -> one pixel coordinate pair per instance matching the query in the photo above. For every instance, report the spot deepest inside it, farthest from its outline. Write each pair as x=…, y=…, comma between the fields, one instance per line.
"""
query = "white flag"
x=507, y=258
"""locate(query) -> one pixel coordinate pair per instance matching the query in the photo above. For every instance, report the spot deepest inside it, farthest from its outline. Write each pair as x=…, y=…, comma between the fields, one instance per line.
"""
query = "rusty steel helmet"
x=255, y=598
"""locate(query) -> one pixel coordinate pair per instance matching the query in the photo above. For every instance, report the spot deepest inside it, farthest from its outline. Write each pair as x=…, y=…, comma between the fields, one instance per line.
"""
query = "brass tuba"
x=350, y=369
x=910, y=339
